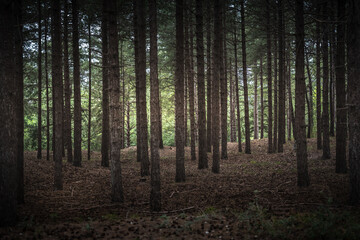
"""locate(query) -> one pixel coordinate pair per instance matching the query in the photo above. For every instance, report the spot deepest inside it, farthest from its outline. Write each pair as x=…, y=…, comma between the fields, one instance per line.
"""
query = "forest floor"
x=255, y=196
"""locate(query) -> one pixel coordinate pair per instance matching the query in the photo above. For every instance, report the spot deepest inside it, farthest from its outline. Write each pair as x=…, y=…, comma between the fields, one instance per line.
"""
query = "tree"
x=47, y=93
x=89, y=124
x=246, y=98
x=8, y=116
x=77, y=94
x=39, y=135
x=117, y=194
x=223, y=84
x=268, y=46
x=232, y=107
x=141, y=72
x=237, y=93
x=67, y=88
x=256, y=128
x=353, y=42
x=57, y=89
x=341, y=113
x=261, y=99
x=208, y=78
x=215, y=86
x=318, y=85
x=300, y=90
x=281, y=112
x=105, y=136
x=325, y=114
x=203, y=162
x=179, y=93
x=155, y=196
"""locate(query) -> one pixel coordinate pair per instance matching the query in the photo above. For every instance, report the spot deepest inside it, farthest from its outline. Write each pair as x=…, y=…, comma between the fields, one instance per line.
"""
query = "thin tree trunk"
x=275, y=142
x=341, y=111
x=281, y=113
x=128, y=128
x=261, y=99
x=325, y=115
x=179, y=93
x=105, y=137
x=67, y=88
x=215, y=85
x=256, y=128
x=246, y=99
x=318, y=85
x=47, y=94
x=117, y=194
x=77, y=94
x=311, y=106
x=155, y=196
x=208, y=78
x=332, y=76
x=232, y=108
x=39, y=65
x=89, y=124
x=237, y=94
x=57, y=83
x=268, y=46
x=300, y=90
x=223, y=86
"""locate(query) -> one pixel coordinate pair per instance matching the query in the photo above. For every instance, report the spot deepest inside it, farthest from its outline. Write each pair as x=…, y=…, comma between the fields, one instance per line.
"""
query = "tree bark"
x=311, y=105
x=353, y=42
x=223, y=84
x=117, y=194
x=105, y=137
x=155, y=195
x=281, y=113
x=77, y=94
x=57, y=83
x=325, y=115
x=256, y=128
x=318, y=85
x=268, y=46
x=246, y=99
x=39, y=65
x=261, y=99
x=208, y=78
x=67, y=88
x=300, y=90
x=341, y=111
x=89, y=124
x=276, y=84
x=179, y=93
x=232, y=108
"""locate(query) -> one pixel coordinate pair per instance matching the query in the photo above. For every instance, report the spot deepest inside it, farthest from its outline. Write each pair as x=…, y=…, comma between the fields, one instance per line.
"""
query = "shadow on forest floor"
x=254, y=196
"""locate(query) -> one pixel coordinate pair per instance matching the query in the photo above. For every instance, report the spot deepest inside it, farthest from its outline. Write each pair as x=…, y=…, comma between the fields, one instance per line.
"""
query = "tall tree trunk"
x=232, y=108
x=47, y=93
x=237, y=93
x=203, y=161
x=291, y=109
x=318, y=85
x=246, y=99
x=179, y=93
x=122, y=110
x=141, y=30
x=77, y=94
x=276, y=84
x=39, y=135
x=10, y=129
x=332, y=76
x=208, y=78
x=353, y=42
x=117, y=194
x=311, y=105
x=155, y=196
x=341, y=113
x=128, y=127
x=256, y=128
x=57, y=83
x=223, y=86
x=300, y=90
x=215, y=85
x=281, y=113
x=325, y=115
x=105, y=137
x=67, y=88
x=261, y=99
x=268, y=47
x=89, y=124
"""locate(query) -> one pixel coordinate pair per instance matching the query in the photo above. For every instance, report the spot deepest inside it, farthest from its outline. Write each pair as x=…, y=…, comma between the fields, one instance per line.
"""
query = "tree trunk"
x=105, y=137
x=276, y=35
x=246, y=99
x=47, y=93
x=353, y=42
x=311, y=105
x=261, y=99
x=39, y=135
x=215, y=85
x=281, y=113
x=179, y=93
x=318, y=85
x=141, y=30
x=128, y=127
x=77, y=94
x=136, y=54
x=155, y=196
x=57, y=83
x=232, y=108
x=223, y=85
x=208, y=78
x=89, y=124
x=237, y=94
x=67, y=88
x=325, y=115
x=268, y=46
x=256, y=128
x=300, y=90
x=117, y=194
x=341, y=111
x=332, y=76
